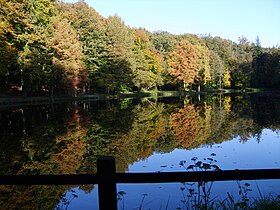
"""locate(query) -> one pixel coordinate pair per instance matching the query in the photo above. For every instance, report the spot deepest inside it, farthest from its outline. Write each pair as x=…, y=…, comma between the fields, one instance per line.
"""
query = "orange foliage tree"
x=183, y=63
x=66, y=54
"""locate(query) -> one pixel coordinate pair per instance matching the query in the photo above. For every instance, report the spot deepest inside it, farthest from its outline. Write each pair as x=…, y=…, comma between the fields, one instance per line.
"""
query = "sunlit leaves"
x=203, y=65
x=148, y=69
x=183, y=62
x=113, y=58
x=114, y=72
x=66, y=52
x=227, y=80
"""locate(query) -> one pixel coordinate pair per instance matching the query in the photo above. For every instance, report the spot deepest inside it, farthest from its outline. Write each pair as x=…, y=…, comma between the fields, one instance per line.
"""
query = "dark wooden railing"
x=107, y=179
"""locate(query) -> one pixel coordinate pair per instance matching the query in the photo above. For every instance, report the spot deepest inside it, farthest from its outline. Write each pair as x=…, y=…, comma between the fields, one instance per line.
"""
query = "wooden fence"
x=107, y=179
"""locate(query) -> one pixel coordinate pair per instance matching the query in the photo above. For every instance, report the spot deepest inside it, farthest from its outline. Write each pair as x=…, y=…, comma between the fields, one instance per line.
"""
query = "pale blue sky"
x=225, y=18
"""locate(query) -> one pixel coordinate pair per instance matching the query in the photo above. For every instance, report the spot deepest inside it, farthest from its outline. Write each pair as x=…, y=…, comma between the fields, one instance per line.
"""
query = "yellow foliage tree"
x=203, y=65
x=227, y=80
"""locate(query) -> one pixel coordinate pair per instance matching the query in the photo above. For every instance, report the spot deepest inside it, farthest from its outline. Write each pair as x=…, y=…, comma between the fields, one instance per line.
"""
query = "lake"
x=231, y=131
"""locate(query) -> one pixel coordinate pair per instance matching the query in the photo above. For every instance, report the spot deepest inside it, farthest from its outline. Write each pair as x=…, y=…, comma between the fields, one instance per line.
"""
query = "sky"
x=228, y=19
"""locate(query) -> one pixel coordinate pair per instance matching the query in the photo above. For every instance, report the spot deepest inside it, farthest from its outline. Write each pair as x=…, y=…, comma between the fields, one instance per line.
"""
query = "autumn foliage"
x=183, y=62
x=54, y=48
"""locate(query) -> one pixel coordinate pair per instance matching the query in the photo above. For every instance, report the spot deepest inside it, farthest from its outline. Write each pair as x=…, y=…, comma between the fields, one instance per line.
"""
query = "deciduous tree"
x=148, y=69
x=183, y=63
x=66, y=53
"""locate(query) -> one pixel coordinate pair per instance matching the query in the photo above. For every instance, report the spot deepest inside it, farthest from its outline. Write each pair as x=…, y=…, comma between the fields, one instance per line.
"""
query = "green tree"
x=148, y=69
x=217, y=69
x=223, y=50
x=8, y=51
x=11, y=25
x=265, y=66
x=35, y=62
x=203, y=65
x=31, y=19
x=164, y=43
x=242, y=58
x=115, y=72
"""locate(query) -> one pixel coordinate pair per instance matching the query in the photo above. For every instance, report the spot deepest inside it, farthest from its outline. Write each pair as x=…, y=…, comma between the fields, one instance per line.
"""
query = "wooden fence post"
x=107, y=187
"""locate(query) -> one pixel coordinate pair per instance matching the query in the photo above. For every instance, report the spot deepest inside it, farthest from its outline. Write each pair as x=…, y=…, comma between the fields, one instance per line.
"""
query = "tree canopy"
x=50, y=47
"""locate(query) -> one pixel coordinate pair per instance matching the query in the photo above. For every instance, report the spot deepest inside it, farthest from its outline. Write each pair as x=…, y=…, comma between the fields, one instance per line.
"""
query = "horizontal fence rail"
x=198, y=176
x=107, y=179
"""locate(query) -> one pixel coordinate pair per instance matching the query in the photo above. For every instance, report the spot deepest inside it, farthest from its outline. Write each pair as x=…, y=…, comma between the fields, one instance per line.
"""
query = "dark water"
x=243, y=131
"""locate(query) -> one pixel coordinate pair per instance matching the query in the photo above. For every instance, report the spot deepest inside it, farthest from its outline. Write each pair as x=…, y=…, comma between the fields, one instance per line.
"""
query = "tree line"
x=50, y=47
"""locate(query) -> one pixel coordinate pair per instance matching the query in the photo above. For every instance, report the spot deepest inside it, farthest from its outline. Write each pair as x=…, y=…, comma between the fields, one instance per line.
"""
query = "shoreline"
x=37, y=100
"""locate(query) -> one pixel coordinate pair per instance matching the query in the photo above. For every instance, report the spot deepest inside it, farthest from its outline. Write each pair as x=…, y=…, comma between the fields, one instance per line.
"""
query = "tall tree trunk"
x=88, y=88
x=220, y=81
x=22, y=84
x=23, y=122
x=184, y=85
x=84, y=88
x=52, y=89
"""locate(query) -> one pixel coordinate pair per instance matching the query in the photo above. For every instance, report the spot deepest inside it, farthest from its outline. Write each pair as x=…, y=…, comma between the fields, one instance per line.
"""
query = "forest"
x=53, y=48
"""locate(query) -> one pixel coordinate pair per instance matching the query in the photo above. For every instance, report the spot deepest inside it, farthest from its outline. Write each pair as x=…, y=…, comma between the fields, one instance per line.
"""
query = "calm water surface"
x=147, y=135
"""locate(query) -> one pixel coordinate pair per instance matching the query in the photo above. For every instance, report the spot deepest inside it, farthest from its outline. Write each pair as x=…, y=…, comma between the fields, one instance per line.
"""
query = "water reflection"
x=68, y=138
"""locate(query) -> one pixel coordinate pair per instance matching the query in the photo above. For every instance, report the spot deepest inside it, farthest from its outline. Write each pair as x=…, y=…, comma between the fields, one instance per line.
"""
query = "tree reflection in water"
x=68, y=138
